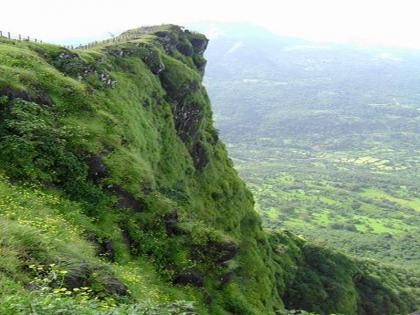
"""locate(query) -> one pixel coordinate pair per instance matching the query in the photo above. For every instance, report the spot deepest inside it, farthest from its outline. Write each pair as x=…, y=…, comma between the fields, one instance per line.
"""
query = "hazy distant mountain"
x=271, y=73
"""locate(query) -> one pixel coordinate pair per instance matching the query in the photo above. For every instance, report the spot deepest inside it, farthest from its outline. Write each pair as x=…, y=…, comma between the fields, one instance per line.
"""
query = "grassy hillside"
x=117, y=196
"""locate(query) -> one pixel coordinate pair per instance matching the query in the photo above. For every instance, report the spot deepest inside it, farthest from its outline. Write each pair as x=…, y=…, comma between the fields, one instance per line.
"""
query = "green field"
x=348, y=200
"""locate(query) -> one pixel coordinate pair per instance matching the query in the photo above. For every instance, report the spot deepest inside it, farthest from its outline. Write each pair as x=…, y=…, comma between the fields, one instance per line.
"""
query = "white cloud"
x=382, y=22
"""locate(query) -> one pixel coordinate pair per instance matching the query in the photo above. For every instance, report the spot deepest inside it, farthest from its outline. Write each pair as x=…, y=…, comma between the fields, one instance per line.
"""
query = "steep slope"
x=116, y=195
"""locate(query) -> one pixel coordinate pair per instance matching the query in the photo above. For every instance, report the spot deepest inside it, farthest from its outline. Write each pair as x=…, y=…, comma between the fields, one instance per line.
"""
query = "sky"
x=368, y=22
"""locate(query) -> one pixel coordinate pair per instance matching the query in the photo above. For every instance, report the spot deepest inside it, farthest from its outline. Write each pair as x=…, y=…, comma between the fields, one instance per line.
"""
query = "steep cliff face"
x=116, y=193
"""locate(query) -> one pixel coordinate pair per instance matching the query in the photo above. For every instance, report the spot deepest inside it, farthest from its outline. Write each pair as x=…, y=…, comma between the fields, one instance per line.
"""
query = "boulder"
x=77, y=275
x=113, y=285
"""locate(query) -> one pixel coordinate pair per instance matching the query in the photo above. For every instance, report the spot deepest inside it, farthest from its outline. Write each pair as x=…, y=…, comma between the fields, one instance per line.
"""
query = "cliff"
x=117, y=195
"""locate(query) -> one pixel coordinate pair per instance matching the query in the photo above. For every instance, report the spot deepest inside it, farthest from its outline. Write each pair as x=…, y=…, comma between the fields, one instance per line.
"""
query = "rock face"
x=73, y=65
x=173, y=38
x=12, y=94
x=147, y=53
x=188, y=112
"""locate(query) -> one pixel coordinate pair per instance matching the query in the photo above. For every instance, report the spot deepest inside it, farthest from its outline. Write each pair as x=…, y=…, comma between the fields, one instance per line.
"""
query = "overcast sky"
x=376, y=22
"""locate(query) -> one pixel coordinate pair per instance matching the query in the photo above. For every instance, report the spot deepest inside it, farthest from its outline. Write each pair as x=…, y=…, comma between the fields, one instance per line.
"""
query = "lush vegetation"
x=117, y=196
